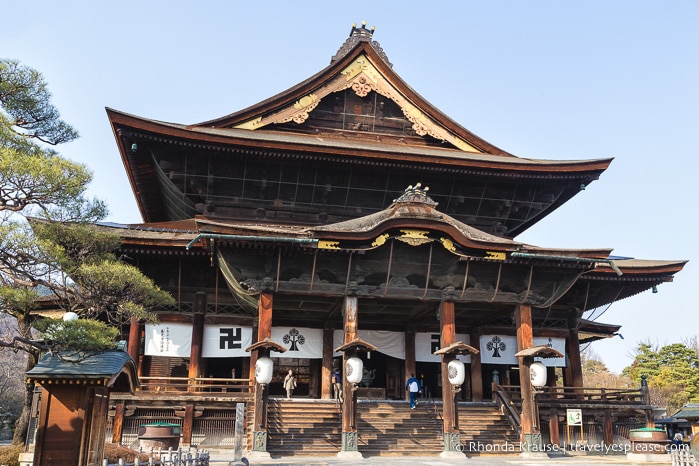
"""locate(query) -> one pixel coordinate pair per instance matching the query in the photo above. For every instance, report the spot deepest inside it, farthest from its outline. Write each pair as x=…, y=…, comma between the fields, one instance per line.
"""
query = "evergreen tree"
x=672, y=373
x=49, y=245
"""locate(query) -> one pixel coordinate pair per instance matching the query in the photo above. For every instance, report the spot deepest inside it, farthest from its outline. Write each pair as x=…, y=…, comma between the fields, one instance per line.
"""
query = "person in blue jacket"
x=413, y=387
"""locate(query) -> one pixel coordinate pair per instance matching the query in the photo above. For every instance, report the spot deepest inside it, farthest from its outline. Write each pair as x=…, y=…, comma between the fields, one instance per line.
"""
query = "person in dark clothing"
x=413, y=387
x=337, y=384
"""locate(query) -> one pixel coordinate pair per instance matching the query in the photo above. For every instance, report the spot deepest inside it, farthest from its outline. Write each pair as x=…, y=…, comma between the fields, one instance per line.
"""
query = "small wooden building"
x=75, y=402
x=349, y=207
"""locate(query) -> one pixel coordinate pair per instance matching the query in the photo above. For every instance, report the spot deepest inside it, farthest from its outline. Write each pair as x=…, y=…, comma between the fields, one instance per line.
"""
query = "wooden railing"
x=199, y=385
x=579, y=394
x=507, y=406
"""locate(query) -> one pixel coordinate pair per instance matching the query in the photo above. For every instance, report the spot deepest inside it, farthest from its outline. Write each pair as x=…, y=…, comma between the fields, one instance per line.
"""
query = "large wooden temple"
x=348, y=218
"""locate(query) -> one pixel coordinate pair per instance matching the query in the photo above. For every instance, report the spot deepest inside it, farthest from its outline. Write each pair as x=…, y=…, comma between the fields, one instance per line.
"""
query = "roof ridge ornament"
x=357, y=35
x=416, y=194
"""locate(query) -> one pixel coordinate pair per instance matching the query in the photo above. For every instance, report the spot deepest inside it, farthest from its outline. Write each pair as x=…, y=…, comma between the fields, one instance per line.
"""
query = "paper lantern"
x=263, y=370
x=457, y=372
x=537, y=373
x=354, y=369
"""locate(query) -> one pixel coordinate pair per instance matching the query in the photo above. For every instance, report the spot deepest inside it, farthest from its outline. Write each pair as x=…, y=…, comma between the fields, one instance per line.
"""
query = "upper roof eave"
x=313, y=144
x=307, y=86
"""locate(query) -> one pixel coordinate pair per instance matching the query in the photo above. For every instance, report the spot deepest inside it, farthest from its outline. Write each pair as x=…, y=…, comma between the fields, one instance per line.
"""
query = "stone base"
x=650, y=457
x=534, y=455
x=350, y=455
x=26, y=459
x=452, y=455
x=350, y=442
x=258, y=455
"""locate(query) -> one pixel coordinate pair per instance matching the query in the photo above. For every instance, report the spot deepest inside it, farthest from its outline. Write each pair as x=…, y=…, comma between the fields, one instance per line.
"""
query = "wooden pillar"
x=350, y=437
x=525, y=339
x=134, y=347
x=574, y=362
x=410, y=365
x=326, y=389
x=608, y=428
x=476, y=368
x=188, y=424
x=118, y=423
x=253, y=355
x=264, y=330
x=450, y=415
x=197, y=336
x=554, y=428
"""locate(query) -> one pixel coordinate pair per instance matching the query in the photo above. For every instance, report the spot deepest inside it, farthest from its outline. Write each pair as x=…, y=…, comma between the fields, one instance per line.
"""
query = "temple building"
x=348, y=219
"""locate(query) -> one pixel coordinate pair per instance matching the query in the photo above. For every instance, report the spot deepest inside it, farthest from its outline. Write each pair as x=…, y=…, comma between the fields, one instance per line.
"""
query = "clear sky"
x=541, y=79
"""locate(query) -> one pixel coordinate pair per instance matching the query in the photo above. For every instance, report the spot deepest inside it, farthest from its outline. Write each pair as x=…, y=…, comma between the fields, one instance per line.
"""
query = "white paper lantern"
x=537, y=373
x=264, y=368
x=456, y=371
x=354, y=369
x=70, y=316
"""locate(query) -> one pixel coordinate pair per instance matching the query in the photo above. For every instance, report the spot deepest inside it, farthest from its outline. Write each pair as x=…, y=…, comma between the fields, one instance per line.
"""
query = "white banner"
x=386, y=342
x=226, y=341
x=559, y=344
x=427, y=343
x=300, y=342
x=501, y=349
x=498, y=349
x=168, y=339
x=393, y=344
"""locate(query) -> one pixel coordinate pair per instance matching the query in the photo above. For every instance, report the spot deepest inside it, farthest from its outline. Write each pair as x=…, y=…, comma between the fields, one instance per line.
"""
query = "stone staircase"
x=485, y=430
x=308, y=427
x=305, y=427
x=392, y=428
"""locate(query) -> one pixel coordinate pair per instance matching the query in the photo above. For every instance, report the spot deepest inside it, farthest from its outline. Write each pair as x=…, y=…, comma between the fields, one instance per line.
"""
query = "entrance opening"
x=430, y=376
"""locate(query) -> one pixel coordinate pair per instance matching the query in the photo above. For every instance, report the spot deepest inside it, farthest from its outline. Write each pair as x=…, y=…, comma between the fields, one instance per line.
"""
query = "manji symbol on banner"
x=226, y=341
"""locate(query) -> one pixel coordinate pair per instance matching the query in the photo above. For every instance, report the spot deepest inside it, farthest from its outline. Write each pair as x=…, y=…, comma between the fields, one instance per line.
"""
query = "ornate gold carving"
x=414, y=237
x=448, y=244
x=361, y=86
x=498, y=256
x=306, y=104
x=362, y=77
x=328, y=244
x=250, y=124
x=380, y=240
x=361, y=65
x=306, y=101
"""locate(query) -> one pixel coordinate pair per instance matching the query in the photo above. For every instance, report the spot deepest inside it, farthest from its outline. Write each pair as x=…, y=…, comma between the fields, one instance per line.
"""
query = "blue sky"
x=540, y=79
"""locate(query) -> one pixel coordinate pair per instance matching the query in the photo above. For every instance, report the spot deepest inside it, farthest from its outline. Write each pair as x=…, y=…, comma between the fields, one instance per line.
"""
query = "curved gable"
x=372, y=98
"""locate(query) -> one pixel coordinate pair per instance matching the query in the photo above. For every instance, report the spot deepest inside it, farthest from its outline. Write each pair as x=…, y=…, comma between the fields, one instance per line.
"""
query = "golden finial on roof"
x=416, y=194
x=362, y=31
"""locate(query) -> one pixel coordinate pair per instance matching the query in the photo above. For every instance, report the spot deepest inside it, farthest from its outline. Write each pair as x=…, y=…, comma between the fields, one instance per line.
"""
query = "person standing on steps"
x=413, y=387
x=337, y=384
x=289, y=384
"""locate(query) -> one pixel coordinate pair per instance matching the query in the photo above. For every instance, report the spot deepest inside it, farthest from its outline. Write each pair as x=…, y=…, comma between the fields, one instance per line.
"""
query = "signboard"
x=574, y=417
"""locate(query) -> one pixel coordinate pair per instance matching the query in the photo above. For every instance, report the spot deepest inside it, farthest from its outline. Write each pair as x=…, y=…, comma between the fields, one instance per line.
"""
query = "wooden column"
x=410, y=365
x=525, y=340
x=326, y=389
x=188, y=424
x=134, y=347
x=608, y=427
x=118, y=423
x=476, y=368
x=574, y=362
x=350, y=437
x=197, y=335
x=554, y=428
x=450, y=415
x=264, y=330
x=253, y=354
